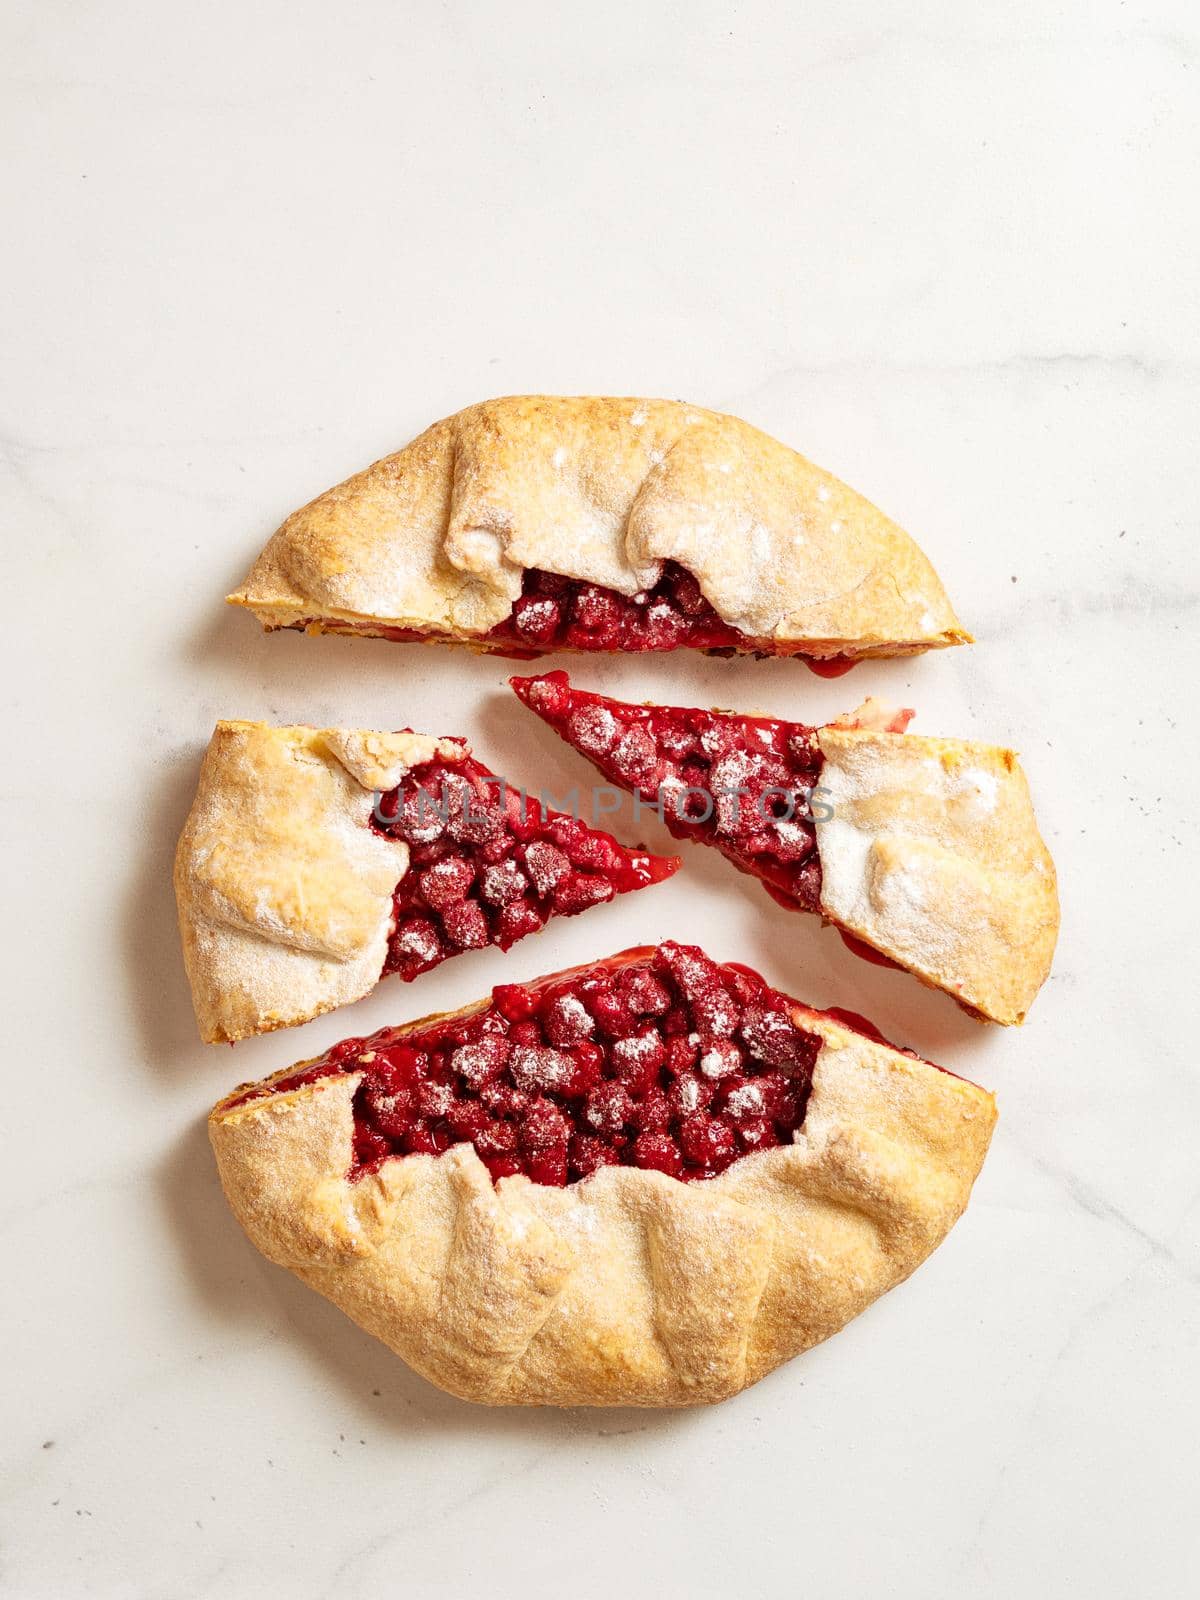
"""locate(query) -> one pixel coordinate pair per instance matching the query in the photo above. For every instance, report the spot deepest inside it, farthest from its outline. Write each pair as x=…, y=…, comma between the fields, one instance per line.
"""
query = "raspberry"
x=434, y=1099
x=466, y=925
x=391, y=1113
x=595, y=852
x=637, y=1059
x=507, y=1166
x=502, y=1100
x=652, y=1113
x=497, y=1139
x=513, y=1000
x=417, y=944
x=467, y=1118
x=537, y=618
x=742, y=1098
x=643, y=993
x=682, y=1054
x=545, y=863
x=707, y=1142
x=657, y=1152
x=548, y=1167
x=635, y=756
x=597, y=611
x=538, y=1067
x=502, y=883
x=757, y=1133
x=720, y=1058
x=548, y=696
x=773, y=1037
x=480, y=1060
x=446, y=882
x=611, y=1012
x=587, y=1154
x=544, y=1127
x=588, y=1060
x=608, y=1108
x=517, y=919
x=689, y=1094
x=567, y=1020
x=577, y=891
x=400, y=1067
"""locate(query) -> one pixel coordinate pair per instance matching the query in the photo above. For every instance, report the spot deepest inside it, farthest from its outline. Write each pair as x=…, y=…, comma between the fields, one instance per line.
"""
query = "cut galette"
x=923, y=852
x=646, y=1182
x=316, y=860
x=537, y=523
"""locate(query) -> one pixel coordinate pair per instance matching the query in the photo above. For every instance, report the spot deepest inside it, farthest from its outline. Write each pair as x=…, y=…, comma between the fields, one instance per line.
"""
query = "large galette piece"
x=646, y=1182
x=923, y=851
x=315, y=860
x=537, y=523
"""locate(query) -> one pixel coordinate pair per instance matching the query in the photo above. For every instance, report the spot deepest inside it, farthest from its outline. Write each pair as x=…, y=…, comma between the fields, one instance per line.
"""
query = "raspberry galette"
x=538, y=523
x=316, y=860
x=923, y=852
x=645, y=1182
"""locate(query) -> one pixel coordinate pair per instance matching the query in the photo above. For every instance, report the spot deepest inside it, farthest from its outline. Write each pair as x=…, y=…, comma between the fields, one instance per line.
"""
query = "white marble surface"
x=948, y=251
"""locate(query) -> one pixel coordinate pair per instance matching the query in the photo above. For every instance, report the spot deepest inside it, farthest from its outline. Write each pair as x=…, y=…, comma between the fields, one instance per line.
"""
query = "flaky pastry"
x=648, y=1182
x=534, y=523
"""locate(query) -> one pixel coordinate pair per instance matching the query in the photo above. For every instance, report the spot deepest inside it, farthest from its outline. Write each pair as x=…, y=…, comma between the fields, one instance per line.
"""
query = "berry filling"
x=661, y=1059
x=740, y=783
x=557, y=613
x=489, y=864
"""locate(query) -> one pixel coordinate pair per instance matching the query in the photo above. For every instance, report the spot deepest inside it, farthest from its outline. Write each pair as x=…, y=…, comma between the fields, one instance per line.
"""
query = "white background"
x=946, y=250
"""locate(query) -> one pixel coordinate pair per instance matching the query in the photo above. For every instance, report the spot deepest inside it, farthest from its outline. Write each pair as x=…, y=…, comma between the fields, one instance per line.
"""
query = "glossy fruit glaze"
x=660, y=1058
x=740, y=783
x=488, y=865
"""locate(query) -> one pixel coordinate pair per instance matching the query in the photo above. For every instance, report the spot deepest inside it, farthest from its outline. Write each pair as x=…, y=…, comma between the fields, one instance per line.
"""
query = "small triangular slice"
x=543, y=522
x=316, y=860
x=922, y=851
x=644, y=1182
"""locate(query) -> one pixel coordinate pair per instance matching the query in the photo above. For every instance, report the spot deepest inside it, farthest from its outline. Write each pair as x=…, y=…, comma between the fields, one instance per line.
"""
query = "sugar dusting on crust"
x=930, y=852
x=604, y=491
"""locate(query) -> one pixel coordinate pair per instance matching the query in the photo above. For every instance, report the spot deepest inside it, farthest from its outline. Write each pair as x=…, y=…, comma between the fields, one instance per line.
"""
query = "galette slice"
x=538, y=523
x=316, y=860
x=645, y=1182
x=924, y=852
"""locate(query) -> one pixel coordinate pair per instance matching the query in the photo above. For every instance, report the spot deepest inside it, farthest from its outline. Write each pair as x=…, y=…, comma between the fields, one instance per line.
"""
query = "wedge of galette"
x=539, y=523
x=923, y=852
x=316, y=860
x=647, y=1182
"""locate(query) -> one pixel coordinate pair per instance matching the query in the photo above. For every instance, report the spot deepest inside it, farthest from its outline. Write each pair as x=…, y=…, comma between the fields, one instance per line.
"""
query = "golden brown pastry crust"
x=628, y=1288
x=435, y=538
x=932, y=855
x=284, y=891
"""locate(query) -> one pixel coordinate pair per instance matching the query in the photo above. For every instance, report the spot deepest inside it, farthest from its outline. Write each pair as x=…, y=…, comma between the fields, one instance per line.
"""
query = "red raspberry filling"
x=557, y=613
x=740, y=783
x=664, y=1060
x=488, y=865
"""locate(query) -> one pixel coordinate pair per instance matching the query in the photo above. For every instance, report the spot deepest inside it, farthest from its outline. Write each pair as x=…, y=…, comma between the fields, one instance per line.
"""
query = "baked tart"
x=645, y=1182
x=923, y=852
x=316, y=860
x=538, y=523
